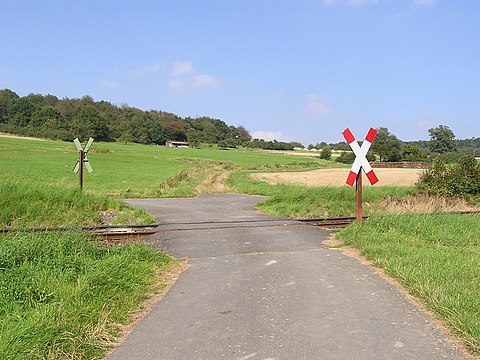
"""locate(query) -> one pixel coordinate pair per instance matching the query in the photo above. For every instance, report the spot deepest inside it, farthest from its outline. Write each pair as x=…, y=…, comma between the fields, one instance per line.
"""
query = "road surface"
x=261, y=287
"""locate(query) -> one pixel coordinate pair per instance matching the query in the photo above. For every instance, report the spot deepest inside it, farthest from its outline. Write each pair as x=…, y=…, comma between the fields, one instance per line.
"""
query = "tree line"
x=47, y=116
x=387, y=147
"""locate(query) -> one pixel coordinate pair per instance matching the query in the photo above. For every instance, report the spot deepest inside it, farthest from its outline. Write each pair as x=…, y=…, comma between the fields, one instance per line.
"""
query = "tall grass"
x=25, y=204
x=62, y=296
x=302, y=201
x=437, y=257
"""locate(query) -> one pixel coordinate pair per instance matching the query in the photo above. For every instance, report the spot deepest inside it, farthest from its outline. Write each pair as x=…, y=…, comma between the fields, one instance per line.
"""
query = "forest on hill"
x=47, y=116
x=65, y=119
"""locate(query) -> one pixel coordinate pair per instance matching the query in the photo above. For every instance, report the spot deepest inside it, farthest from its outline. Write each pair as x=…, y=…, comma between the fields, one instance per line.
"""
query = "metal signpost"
x=82, y=159
x=360, y=163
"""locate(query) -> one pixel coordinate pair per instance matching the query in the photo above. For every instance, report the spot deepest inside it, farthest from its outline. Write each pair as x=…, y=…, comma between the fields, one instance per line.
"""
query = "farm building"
x=176, y=144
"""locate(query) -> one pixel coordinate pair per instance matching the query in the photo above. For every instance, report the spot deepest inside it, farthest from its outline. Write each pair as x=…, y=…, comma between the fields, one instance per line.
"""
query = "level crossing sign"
x=361, y=162
x=360, y=152
x=82, y=159
x=85, y=151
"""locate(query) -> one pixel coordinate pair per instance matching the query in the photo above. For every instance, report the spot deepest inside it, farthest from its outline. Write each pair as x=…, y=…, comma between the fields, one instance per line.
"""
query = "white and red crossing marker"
x=361, y=156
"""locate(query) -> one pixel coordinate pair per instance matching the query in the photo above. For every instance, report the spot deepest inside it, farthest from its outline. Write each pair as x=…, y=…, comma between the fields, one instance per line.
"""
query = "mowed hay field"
x=337, y=177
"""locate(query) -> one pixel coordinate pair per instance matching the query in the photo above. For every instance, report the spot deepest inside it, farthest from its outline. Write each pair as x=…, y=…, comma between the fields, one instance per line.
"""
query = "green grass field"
x=130, y=170
x=436, y=257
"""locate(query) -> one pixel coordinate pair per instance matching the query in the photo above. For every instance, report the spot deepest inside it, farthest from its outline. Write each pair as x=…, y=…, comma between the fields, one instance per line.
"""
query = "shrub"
x=326, y=153
x=346, y=158
x=460, y=179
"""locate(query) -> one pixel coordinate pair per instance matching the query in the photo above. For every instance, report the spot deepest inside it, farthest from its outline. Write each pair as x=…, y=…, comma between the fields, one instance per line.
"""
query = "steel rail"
x=142, y=229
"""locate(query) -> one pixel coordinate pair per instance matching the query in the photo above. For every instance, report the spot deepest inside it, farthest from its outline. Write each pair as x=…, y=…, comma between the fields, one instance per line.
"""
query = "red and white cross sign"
x=361, y=156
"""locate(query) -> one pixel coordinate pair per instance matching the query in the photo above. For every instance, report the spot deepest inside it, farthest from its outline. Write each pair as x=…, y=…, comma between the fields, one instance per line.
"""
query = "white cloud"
x=424, y=2
x=204, y=80
x=176, y=84
x=193, y=82
x=110, y=84
x=184, y=77
x=317, y=105
x=147, y=69
x=270, y=136
x=179, y=75
x=182, y=67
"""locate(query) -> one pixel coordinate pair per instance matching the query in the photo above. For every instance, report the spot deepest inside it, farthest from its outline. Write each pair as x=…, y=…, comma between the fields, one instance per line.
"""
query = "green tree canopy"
x=387, y=146
x=442, y=140
x=326, y=153
x=414, y=153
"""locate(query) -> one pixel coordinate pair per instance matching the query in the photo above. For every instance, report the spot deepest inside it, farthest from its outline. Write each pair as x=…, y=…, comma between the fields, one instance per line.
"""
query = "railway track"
x=332, y=222
x=122, y=233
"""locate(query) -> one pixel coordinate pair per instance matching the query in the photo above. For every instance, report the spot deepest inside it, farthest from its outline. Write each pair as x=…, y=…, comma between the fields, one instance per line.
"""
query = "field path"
x=262, y=287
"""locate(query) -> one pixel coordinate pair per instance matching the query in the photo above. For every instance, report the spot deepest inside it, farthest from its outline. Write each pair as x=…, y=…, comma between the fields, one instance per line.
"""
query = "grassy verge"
x=63, y=297
x=36, y=205
x=437, y=258
x=302, y=202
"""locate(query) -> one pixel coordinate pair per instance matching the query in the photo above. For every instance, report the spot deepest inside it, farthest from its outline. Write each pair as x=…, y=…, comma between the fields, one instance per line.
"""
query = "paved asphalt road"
x=260, y=287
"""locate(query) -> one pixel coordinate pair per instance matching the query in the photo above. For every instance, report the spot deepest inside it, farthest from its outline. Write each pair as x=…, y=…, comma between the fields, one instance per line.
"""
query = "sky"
x=290, y=70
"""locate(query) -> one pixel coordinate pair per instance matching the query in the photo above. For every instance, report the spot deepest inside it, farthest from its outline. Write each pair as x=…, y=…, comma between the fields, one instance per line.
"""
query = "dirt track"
x=337, y=177
x=20, y=137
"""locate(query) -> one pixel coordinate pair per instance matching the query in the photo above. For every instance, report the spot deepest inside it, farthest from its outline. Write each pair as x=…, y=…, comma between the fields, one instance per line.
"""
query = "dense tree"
x=442, y=140
x=342, y=145
x=296, y=144
x=469, y=146
x=243, y=135
x=42, y=116
x=19, y=111
x=414, y=153
x=175, y=131
x=138, y=129
x=5, y=96
x=270, y=145
x=155, y=131
x=126, y=137
x=387, y=146
x=346, y=157
x=326, y=153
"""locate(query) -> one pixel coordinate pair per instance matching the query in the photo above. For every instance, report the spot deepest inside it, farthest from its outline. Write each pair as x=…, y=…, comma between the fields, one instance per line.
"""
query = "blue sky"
x=300, y=70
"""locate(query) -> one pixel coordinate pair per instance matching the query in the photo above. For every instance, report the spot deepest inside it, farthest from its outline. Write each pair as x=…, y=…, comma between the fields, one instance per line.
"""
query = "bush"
x=461, y=179
x=346, y=158
x=326, y=153
x=449, y=157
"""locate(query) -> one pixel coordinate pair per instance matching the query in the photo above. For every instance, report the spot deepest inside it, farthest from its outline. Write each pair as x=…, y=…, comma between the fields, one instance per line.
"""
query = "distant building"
x=179, y=144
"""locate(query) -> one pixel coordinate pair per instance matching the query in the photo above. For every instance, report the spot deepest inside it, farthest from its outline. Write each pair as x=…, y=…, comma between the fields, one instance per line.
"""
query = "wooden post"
x=359, y=195
x=82, y=159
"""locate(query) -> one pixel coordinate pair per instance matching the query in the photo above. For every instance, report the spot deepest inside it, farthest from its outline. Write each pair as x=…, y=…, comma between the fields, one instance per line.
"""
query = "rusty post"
x=359, y=195
x=82, y=159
